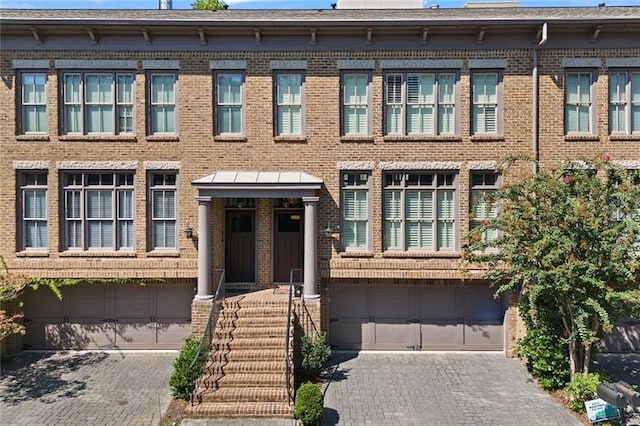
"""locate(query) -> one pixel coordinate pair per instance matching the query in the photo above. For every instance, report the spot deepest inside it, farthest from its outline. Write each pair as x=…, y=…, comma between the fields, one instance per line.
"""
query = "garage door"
x=416, y=318
x=109, y=317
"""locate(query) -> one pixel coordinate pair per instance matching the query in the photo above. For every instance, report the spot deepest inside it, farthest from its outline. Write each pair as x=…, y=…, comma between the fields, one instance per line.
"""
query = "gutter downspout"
x=536, y=119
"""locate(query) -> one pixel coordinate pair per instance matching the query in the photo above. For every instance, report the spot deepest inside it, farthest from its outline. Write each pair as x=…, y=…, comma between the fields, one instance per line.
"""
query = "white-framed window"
x=33, y=103
x=33, y=210
x=98, y=210
x=483, y=184
x=229, y=100
x=356, y=99
x=97, y=102
x=289, y=111
x=420, y=103
x=486, y=111
x=420, y=211
x=624, y=102
x=162, y=101
x=356, y=223
x=163, y=210
x=578, y=109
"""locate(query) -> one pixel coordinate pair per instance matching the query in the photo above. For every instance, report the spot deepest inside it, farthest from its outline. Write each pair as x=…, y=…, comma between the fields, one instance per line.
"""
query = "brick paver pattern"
x=85, y=388
x=436, y=389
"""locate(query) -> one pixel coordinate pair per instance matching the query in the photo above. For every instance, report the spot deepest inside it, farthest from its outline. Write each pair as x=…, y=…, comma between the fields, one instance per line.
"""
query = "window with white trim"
x=229, y=99
x=97, y=103
x=33, y=103
x=578, y=109
x=486, y=109
x=162, y=101
x=98, y=210
x=33, y=210
x=356, y=223
x=418, y=103
x=624, y=102
x=483, y=184
x=420, y=211
x=163, y=206
x=289, y=114
x=355, y=103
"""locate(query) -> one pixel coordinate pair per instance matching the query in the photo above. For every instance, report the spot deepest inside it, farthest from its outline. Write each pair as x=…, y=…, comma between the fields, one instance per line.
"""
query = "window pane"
x=125, y=234
x=583, y=117
x=125, y=204
x=445, y=88
x=393, y=89
x=72, y=88
x=419, y=119
x=125, y=89
x=445, y=119
x=170, y=233
x=394, y=119
x=170, y=204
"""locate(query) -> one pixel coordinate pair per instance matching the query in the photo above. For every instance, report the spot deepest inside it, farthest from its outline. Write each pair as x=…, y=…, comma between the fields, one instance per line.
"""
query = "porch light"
x=188, y=232
x=329, y=231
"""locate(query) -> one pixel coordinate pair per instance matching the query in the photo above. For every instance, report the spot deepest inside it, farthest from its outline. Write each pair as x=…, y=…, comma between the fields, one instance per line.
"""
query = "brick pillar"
x=513, y=324
x=200, y=311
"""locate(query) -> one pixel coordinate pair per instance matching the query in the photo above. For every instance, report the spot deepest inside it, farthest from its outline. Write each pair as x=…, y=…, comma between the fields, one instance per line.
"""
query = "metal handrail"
x=287, y=349
x=207, y=336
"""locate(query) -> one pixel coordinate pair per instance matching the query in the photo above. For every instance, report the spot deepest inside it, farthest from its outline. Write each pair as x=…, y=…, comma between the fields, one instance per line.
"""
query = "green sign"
x=598, y=411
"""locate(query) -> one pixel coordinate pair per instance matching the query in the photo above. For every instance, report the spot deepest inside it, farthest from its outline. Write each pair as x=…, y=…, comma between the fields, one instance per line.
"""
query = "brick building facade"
x=121, y=130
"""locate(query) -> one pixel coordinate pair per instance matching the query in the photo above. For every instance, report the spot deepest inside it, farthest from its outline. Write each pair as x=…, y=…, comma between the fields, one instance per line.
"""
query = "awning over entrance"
x=257, y=184
x=253, y=184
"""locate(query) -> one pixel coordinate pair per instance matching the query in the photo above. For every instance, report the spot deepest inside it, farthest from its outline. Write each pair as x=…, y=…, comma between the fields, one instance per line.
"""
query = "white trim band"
x=97, y=165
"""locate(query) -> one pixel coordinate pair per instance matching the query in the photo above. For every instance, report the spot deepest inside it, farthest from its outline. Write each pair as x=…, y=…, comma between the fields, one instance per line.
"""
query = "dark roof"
x=323, y=16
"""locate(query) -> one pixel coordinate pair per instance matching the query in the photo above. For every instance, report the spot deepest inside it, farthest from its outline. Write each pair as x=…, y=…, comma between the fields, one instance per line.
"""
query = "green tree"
x=209, y=4
x=568, y=244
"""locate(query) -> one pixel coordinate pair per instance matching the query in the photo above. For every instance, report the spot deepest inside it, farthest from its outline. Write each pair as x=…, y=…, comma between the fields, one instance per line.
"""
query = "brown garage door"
x=416, y=318
x=109, y=317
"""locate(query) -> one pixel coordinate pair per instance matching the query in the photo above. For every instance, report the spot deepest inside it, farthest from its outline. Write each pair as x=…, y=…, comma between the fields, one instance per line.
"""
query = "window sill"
x=97, y=254
x=487, y=138
x=98, y=138
x=230, y=138
x=356, y=139
x=163, y=138
x=617, y=138
x=356, y=254
x=420, y=254
x=290, y=139
x=33, y=138
x=581, y=138
x=32, y=253
x=422, y=138
x=158, y=253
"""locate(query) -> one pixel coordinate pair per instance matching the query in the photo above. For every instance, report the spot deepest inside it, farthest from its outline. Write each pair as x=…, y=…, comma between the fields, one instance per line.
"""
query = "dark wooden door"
x=240, y=246
x=288, y=243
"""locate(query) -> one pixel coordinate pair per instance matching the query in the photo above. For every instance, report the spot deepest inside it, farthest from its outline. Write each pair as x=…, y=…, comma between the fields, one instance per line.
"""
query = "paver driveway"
x=436, y=389
x=93, y=388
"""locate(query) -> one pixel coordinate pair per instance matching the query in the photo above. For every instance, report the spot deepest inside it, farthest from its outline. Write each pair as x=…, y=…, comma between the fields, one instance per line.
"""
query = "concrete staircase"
x=246, y=367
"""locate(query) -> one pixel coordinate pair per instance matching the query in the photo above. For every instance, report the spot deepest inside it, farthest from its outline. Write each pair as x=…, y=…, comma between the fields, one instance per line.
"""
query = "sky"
x=266, y=4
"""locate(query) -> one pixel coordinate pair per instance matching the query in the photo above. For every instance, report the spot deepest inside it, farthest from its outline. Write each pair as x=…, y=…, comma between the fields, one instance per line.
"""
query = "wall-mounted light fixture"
x=188, y=232
x=328, y=231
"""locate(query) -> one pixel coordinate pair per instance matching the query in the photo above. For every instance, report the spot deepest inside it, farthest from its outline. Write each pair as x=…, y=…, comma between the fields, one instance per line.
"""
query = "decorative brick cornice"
x=228, y=65
x=422, y=165
x=420, y=63
x=162, y=165
x=160, y=65
x=31, y=165
x=30, y=63
x=96, y=64
x=97, y=165
x=356, y=165
x=355, y=64
x=482, y=165
x=288, y=65
x=628, y=164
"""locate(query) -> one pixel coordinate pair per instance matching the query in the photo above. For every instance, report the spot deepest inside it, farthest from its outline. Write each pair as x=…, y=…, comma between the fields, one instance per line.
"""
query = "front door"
x=288, y=243
x=240, y=246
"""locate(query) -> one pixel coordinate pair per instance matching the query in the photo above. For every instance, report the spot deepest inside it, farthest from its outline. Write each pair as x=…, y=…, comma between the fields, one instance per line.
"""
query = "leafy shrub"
x=547, y=356
x=582, y=388
x=309, y=404
x=315, y=354
x=183, y=379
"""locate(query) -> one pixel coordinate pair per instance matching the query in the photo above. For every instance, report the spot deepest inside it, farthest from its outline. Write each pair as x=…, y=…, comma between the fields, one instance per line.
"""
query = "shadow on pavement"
x=330, y=417
x=620, y=367
x=30, y=376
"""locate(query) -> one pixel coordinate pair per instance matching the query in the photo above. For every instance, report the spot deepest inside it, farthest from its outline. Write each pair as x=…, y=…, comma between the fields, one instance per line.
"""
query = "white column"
x=310, y=249
x=204, y=249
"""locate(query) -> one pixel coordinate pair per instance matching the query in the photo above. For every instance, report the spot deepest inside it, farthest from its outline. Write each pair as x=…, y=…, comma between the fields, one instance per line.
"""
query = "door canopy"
x=257, y=184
